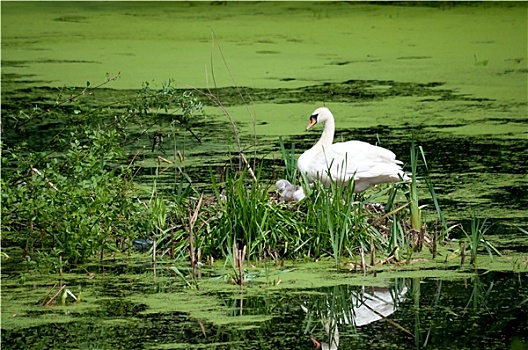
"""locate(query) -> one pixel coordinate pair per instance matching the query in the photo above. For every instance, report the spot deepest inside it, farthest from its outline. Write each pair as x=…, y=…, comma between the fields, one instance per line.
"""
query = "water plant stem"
x=192, y=221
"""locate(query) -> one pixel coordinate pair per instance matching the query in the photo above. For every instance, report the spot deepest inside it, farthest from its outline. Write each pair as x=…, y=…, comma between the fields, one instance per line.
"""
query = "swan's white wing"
x=361, y=161
x=361, y=158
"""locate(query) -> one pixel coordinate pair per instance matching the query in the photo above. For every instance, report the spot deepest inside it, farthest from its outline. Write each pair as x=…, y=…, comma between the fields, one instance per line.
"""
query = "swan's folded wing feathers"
x=359, y=160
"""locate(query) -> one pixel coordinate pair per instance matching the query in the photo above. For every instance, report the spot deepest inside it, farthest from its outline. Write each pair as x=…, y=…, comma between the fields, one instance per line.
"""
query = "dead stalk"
x=363, y=263
x=381, y=218
x=249, y=166
x=235, y=255
x=372, y=252
x=239, y=257
x=421, y=238
x=138, y=169
x=202, y=328
x=463, y=254
x=55, y=296
x=215, y=98
x=35, y=170
x=132, y=160
x=60, y=270
x=435, y=238
x=154, y=258
x=192, y=221
x=47, y=295
x=395, y=324
x=390, y=257
x=241, y=265
x=172, y=243
x=199, y=259
x=164, y=160
x=241, y=305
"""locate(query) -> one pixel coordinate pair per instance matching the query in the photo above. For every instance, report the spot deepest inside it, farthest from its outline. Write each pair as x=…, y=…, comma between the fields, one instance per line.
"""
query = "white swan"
x=346, y=161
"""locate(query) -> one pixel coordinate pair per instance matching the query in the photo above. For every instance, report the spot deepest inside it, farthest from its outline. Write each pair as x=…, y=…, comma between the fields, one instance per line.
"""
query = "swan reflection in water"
x=349, y=305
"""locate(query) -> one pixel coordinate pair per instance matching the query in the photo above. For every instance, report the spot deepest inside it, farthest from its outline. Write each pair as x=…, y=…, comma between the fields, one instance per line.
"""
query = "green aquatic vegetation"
x=290, y=162
x=415, y=294
x=330, y=222
x=167, y=217
x=427, y=177
x=162, y=104
x=75, y=203
x=73, y=199
x=409, y=229
x=243, y=213
x=190, y=281
x=335, y=221
x=479, y=295
x=416, y=214
x=140, y=288
x=475, y=238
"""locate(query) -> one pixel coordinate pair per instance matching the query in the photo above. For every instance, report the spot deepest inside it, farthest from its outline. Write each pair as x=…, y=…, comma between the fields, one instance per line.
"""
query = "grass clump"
x=244, y=214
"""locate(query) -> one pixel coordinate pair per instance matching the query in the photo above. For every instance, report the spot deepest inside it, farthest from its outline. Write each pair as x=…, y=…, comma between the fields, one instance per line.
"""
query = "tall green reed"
x=337, y=221
x=416, y=213
x=339, y=217
x=244, y=213
x=427, y=177
x=475, y=238
x=401, y=236
x=290, y=162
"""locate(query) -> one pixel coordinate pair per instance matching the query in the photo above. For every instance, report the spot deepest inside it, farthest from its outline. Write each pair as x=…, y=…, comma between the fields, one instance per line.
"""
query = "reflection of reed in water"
x=350, y=305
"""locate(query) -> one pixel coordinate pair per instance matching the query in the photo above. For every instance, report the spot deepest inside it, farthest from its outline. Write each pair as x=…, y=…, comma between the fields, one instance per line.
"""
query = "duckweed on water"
x=224, y=318
x=394, y=74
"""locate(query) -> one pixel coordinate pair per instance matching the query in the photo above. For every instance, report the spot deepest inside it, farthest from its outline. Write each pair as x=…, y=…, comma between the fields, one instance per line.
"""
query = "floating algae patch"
x=199, y=305
x=268, y=309
x=25, y=294
x=310, y=42
x=273, y=105
x=101, y=334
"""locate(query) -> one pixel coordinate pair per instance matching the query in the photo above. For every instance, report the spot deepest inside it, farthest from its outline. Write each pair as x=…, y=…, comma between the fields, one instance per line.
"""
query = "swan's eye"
x=313, y=118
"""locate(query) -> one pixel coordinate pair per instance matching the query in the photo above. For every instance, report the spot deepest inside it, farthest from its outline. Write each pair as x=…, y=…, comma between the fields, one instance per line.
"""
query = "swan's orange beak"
x=313, y=121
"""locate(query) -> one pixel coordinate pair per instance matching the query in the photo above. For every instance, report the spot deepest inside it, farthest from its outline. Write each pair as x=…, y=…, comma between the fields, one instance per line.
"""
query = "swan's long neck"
x=305, y=161
x=327, y=137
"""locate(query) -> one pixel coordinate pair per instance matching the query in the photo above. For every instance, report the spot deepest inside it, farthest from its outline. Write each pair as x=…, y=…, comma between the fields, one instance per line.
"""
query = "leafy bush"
x=78, y=203
x=75, y=198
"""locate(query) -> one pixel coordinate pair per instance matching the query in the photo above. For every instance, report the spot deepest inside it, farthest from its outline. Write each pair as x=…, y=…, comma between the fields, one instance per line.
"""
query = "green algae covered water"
x=408, y=310
x=451, y=77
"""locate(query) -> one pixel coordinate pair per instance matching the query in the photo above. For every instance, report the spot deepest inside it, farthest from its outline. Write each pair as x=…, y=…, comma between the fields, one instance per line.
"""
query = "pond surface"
x=453, y=78
x=468, y=311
